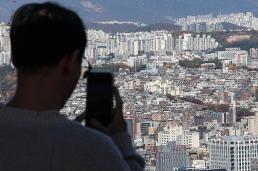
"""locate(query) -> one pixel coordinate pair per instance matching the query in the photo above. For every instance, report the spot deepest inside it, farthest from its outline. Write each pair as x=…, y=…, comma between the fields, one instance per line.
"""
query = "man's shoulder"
x=86, y=140
x=80, y=132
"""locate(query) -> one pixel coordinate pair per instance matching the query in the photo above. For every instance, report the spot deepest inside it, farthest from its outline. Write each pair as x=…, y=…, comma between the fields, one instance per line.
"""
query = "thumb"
x=81, y=117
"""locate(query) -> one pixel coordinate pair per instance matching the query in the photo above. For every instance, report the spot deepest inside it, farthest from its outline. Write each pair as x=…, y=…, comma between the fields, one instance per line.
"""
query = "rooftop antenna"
x=11, y=17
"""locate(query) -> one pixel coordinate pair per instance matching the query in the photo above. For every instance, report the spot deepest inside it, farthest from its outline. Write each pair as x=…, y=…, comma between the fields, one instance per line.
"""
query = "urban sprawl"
x=188, y=105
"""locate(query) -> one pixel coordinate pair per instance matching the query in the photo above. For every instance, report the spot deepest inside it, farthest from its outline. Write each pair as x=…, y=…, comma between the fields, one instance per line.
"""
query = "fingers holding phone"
x=118, y=124
x=101, y=113
x=100, y=98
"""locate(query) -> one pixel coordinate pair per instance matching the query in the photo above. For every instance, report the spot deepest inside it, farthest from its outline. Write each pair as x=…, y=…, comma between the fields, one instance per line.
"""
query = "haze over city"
x=149, y=11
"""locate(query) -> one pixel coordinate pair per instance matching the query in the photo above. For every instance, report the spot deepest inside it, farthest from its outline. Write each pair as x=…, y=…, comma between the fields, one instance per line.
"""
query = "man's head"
x=47, y=38
x=43, y=34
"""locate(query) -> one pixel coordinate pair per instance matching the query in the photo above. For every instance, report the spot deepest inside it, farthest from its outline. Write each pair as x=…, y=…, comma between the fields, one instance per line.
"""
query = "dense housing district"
x=189, y=102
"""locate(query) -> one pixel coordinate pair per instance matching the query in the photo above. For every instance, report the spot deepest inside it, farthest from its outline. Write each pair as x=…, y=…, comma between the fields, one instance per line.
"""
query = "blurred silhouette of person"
x=47, y=45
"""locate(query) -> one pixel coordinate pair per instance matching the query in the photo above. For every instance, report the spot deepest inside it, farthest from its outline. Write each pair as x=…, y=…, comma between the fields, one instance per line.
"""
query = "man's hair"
x=42, y=34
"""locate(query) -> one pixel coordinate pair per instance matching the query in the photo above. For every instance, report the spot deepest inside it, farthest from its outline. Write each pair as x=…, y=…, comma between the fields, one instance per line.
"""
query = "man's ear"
x=68, y=63
x=75, y=58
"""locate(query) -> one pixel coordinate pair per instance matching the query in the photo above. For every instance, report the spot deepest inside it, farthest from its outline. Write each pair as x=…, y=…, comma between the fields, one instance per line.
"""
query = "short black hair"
x=43, y=33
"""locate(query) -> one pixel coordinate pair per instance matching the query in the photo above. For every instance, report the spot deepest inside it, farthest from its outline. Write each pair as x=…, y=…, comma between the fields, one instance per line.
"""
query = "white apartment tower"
x=253, y=62
x=170, y=44
x=256, y=125
x=233, y=153
x=190, y=139
x=179, y=135
x=170, y=133
x=251, y=125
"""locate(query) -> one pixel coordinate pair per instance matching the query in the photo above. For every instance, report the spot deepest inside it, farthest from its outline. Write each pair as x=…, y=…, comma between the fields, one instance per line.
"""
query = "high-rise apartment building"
x=233, y=153
x=253, y=62
x=170, y=43
x=130, y=126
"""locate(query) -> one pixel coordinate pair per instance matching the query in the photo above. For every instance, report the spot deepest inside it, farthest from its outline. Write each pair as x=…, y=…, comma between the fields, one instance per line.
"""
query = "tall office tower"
x=171, y=157
x=131, y=125
x=232, y=110
x=224, y=117
x=233, y=153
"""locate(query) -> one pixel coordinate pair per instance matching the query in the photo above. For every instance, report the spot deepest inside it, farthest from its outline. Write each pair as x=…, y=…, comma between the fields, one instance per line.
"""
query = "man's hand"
x=118, y=125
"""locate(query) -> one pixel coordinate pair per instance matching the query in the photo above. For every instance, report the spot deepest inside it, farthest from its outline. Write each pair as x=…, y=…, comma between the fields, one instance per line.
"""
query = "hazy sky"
x=142, y=10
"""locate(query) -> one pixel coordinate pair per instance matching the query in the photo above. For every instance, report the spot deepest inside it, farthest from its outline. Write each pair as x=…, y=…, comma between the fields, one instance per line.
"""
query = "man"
x=47, y=43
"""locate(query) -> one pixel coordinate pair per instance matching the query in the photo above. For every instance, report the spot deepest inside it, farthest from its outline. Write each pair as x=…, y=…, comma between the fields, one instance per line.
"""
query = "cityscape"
x=190, y=99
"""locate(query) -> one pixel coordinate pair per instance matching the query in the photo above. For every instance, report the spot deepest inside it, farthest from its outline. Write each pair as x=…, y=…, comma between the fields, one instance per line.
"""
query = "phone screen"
x=100, y=98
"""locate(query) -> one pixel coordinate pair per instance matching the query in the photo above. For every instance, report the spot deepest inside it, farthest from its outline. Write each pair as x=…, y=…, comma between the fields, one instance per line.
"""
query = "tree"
x=196, y=63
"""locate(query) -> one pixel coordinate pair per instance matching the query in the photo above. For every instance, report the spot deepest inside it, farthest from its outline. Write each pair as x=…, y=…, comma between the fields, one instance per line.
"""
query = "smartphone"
x=100, y=98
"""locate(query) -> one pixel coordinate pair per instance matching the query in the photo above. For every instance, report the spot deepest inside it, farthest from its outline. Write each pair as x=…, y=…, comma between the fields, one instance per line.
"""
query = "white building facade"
x=233, y=153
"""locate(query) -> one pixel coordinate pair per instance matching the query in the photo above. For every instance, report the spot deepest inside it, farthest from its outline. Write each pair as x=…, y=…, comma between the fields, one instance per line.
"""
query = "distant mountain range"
x=229, y=26
x=122, y=28
x=147, y=11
